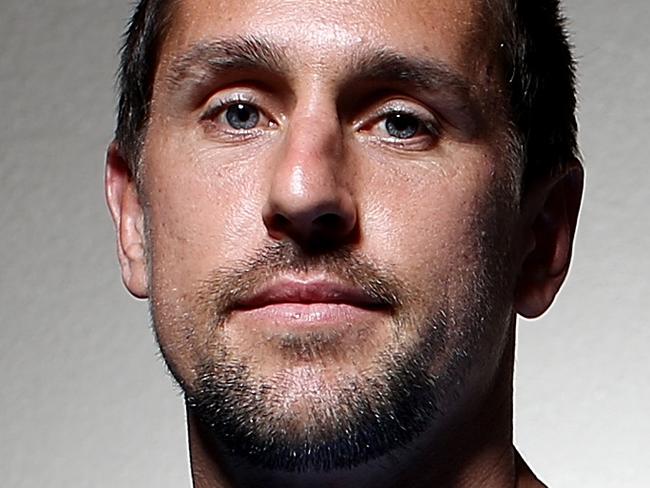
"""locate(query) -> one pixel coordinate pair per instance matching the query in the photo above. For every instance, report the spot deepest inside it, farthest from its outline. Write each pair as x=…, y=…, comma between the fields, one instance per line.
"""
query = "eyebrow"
x=386, y=65
x=214, y=57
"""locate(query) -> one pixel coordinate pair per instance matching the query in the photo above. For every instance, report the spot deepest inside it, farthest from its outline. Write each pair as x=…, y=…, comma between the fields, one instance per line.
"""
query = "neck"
x=476, y=451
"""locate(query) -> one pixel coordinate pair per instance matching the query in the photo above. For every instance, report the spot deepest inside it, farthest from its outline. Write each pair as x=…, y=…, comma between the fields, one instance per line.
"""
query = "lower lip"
x=308, y=314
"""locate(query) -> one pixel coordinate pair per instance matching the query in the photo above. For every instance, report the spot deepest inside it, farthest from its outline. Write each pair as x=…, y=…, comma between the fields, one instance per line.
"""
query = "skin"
x=436, y=210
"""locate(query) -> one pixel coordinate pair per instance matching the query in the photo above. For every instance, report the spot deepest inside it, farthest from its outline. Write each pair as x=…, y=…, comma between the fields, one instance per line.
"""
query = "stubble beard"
x=279, y=421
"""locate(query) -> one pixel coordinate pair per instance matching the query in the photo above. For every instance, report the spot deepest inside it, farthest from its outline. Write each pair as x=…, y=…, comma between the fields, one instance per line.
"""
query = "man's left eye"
x=406, y=128
x=402, y=125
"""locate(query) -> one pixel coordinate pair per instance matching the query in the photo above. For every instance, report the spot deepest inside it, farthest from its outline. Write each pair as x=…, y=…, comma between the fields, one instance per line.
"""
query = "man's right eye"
x=242, y=116
x=236, y=116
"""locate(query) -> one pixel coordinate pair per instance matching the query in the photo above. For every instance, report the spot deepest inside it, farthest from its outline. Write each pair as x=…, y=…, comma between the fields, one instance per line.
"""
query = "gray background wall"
x=84, y=400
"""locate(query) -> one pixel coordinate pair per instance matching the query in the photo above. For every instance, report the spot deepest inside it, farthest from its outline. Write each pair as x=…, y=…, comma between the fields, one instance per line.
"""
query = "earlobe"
x=550, y=213
x=128, y=217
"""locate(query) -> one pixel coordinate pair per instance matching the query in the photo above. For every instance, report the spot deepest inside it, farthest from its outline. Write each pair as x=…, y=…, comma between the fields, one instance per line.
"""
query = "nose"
x=310, y=198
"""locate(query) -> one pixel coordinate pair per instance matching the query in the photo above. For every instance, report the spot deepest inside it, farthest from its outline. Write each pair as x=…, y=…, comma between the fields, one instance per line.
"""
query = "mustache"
x=229, y=285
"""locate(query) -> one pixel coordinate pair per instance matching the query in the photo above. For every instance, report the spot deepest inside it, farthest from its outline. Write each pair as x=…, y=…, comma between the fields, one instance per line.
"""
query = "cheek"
x=203, y=211
x=431, y=223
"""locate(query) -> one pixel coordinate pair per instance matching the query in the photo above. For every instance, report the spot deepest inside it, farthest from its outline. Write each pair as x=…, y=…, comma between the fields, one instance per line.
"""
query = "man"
x=336, y=210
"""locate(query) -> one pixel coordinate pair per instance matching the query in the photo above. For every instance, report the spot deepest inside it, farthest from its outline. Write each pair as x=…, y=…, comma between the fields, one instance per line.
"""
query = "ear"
x=128, y=216
x=550, y=214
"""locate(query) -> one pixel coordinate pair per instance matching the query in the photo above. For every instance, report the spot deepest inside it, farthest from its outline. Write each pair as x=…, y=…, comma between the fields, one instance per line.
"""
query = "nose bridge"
x=309, y=196
x=312, y=153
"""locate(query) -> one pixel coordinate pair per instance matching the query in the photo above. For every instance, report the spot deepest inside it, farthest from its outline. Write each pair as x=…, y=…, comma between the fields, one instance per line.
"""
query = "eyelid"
x=215, y=108
x=400, y=106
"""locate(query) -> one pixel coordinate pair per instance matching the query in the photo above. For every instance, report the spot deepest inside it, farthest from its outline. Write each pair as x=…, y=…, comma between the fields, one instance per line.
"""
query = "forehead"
x=319, y=34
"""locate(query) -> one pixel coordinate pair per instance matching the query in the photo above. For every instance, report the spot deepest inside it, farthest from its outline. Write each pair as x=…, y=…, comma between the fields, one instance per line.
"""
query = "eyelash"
x=223, y=104
x=428, y=122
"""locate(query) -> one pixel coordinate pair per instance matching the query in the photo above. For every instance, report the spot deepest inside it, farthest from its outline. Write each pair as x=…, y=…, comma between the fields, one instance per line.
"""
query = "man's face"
x=330, y=215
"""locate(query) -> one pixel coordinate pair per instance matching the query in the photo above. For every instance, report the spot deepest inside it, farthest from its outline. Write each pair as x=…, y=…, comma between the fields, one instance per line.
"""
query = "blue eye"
x=402, y=125
x=242, y=116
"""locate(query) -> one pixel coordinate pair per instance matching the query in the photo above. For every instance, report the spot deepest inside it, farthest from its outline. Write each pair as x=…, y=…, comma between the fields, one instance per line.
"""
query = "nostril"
x=281, y=222
x=328, y=221
x=324, y=222
x=278, y=225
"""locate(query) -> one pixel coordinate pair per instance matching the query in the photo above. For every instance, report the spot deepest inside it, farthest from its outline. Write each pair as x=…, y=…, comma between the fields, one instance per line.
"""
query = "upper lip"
x=306, y=291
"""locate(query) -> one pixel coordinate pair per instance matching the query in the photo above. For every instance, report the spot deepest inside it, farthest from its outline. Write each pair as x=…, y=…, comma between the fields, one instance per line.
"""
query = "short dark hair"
x=139, y=58
x=540, y=71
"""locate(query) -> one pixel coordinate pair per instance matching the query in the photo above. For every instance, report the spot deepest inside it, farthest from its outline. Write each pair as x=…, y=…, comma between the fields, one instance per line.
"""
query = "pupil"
x=402, y=126
x=242, y=116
